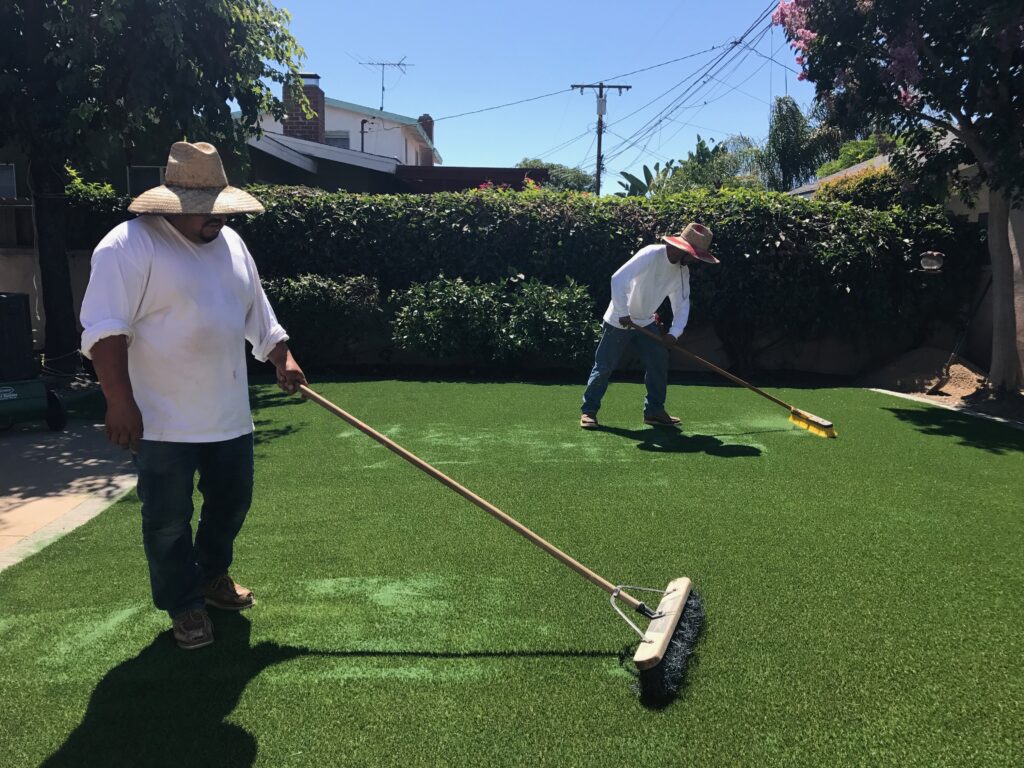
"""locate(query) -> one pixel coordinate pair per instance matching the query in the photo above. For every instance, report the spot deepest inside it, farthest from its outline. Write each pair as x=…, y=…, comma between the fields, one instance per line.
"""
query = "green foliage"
x=850, y=153
x=729, y=164
x=957, y=65
x=653, y=179
x=561, y=177
x=326, y=318
x=795, y=147
x=115, y=71
x=876, y=188
x=94, y=208
x=504, y=322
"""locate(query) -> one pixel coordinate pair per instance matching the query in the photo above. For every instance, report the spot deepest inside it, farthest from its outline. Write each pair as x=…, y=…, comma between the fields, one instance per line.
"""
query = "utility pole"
x=400, y=64
x=601, y=108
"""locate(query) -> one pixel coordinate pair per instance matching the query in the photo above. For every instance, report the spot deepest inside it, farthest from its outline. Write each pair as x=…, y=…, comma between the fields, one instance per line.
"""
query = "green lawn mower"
x=24, y=396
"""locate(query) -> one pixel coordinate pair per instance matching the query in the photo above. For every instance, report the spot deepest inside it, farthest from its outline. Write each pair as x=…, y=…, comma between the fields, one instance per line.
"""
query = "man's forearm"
x=279, y=354
x=110, y=359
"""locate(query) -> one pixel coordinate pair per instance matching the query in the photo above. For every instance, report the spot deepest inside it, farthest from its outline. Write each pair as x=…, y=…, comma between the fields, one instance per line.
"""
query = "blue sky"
x=469, y=56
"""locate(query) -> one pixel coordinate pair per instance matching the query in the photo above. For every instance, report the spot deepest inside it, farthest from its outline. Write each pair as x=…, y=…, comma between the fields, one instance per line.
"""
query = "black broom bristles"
x=660, y=684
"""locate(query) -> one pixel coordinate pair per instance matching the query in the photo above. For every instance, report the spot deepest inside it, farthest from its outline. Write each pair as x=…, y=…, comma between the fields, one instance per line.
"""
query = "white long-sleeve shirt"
x=186, y=310
x=642, y=283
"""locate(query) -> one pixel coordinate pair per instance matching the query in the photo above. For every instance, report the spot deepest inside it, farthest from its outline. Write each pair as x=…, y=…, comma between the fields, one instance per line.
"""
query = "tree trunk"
x=1005, y=373
x=48, y=203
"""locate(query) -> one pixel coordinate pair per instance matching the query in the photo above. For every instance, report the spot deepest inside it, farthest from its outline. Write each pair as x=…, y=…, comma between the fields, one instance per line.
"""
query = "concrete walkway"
x=52, y=482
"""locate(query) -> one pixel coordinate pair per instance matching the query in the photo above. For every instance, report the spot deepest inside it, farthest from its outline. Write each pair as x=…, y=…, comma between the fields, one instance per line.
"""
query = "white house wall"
x=383, y=137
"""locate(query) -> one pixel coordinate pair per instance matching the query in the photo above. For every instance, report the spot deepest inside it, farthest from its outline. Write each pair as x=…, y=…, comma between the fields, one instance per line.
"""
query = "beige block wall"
x=19, y=273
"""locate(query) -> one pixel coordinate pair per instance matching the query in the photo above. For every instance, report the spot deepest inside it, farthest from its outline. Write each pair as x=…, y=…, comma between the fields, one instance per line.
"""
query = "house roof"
x=393, y=117
x=808, y=190
x=304, y=154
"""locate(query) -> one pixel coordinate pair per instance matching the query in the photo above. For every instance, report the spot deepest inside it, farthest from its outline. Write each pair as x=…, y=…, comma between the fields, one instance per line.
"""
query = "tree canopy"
x=950, y=74
x=81, y=77
x=561, y=177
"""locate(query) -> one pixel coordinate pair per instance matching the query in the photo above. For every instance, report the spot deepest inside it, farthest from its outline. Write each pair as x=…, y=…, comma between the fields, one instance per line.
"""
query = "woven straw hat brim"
x=186, y=200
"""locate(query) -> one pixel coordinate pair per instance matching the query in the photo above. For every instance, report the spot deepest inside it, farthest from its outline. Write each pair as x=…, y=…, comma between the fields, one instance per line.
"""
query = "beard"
x=205, y=234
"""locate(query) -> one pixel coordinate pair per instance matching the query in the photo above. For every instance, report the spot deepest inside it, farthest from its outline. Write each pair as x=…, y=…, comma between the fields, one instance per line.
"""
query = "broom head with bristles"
x=668, y=643
x=813, y=424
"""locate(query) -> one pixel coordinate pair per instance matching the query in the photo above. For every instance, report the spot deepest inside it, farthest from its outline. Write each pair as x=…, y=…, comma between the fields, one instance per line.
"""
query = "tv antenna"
x=400, y=64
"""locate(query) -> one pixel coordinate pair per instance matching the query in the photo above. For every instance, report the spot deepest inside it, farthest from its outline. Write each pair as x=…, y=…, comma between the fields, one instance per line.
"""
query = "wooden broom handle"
x=716, y=369
x=485, y=505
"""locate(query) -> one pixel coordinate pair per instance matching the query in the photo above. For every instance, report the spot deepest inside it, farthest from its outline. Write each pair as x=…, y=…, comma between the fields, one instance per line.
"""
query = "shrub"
x=875, y=188
x=507, y=322
x=326, y=319
x=93, y=209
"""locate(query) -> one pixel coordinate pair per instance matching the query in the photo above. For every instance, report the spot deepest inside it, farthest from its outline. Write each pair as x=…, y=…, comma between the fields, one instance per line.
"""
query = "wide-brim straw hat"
x=195, y=183
x=696, y=239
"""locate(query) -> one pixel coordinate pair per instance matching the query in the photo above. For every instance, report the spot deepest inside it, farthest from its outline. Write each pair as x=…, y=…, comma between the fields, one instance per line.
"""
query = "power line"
x=670, y=61
x=713, y=67
x=773, y=59
x=698, y=81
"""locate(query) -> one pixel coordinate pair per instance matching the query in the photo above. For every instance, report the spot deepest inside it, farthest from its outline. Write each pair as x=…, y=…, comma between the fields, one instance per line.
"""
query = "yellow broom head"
x=813, y=424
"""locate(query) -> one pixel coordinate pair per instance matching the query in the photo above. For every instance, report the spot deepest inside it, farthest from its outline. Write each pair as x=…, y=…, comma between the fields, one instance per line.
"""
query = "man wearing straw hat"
x=172, y=297
x=638, y=288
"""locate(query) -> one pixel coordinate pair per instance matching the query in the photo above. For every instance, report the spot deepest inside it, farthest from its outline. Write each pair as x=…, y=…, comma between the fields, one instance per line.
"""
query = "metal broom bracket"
x=642, y=608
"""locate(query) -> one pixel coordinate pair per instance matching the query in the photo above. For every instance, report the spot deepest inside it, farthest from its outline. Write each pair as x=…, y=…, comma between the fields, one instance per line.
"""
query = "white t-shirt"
x=642, y=283
x=186, y=309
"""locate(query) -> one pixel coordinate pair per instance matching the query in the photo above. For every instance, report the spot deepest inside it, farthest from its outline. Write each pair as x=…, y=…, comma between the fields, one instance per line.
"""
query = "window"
x=7, y=186
x=337, y=139
x=143, y=177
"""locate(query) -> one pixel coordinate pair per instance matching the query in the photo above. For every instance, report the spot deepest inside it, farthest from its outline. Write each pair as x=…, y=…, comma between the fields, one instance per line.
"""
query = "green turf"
x=863, y=595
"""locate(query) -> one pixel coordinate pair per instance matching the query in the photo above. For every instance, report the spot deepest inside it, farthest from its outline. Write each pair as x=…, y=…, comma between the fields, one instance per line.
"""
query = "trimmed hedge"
x=790, y=268
x=513, y=321
x=327, y=320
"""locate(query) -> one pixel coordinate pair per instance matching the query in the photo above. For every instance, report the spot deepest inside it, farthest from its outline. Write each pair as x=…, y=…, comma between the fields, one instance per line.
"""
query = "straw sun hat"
x=696, y=239
x=195, y=182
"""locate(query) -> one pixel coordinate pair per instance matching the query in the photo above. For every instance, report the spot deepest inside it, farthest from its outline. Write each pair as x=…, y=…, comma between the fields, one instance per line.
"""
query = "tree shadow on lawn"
x=673, y=440
x=971, y=431
x=169, y=707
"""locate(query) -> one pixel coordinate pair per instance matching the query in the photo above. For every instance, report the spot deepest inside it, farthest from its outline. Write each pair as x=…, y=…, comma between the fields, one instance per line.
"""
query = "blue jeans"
x=614, y=342
x=178, y=568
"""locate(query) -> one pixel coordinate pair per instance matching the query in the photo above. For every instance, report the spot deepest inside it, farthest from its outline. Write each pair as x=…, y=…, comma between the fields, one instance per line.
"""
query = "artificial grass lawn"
x=863, y=594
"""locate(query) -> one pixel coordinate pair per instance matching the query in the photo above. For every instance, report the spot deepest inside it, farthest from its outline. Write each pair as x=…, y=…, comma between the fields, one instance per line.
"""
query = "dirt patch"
x=923, y=373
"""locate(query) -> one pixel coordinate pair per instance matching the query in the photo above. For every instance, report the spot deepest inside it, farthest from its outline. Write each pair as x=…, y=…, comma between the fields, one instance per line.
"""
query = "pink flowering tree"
x=950, y=73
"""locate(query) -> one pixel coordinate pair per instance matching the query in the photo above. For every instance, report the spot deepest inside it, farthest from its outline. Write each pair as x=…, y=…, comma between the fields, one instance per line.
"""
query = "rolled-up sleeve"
x=112, y=298
x=262, y=329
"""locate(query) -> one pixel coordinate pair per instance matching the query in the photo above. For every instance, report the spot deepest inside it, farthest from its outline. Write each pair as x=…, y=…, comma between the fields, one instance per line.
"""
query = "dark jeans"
x=614, y=342
x=178, y=568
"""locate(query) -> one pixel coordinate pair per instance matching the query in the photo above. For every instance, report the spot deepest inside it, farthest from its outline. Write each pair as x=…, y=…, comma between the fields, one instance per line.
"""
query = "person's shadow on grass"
x=170, y=707
x=673, y=440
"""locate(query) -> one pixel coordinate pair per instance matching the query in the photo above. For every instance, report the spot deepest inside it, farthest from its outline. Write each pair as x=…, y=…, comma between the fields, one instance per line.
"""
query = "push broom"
x=813, y=424
x=666, y=644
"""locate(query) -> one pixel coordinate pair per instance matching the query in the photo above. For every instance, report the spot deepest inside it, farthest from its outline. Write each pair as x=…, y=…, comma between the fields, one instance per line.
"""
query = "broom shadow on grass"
x=671, y=440
x=168, y=707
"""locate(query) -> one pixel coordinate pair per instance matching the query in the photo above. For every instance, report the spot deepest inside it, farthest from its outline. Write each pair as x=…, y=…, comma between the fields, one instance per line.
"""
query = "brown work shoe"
x=661, y=419
x=223, y=593
x=588, y=421
x=193, y=629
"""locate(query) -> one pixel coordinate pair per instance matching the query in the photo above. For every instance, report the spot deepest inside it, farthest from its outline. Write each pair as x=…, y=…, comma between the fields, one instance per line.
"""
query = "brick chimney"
x=296, y=124
x=427, y=123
